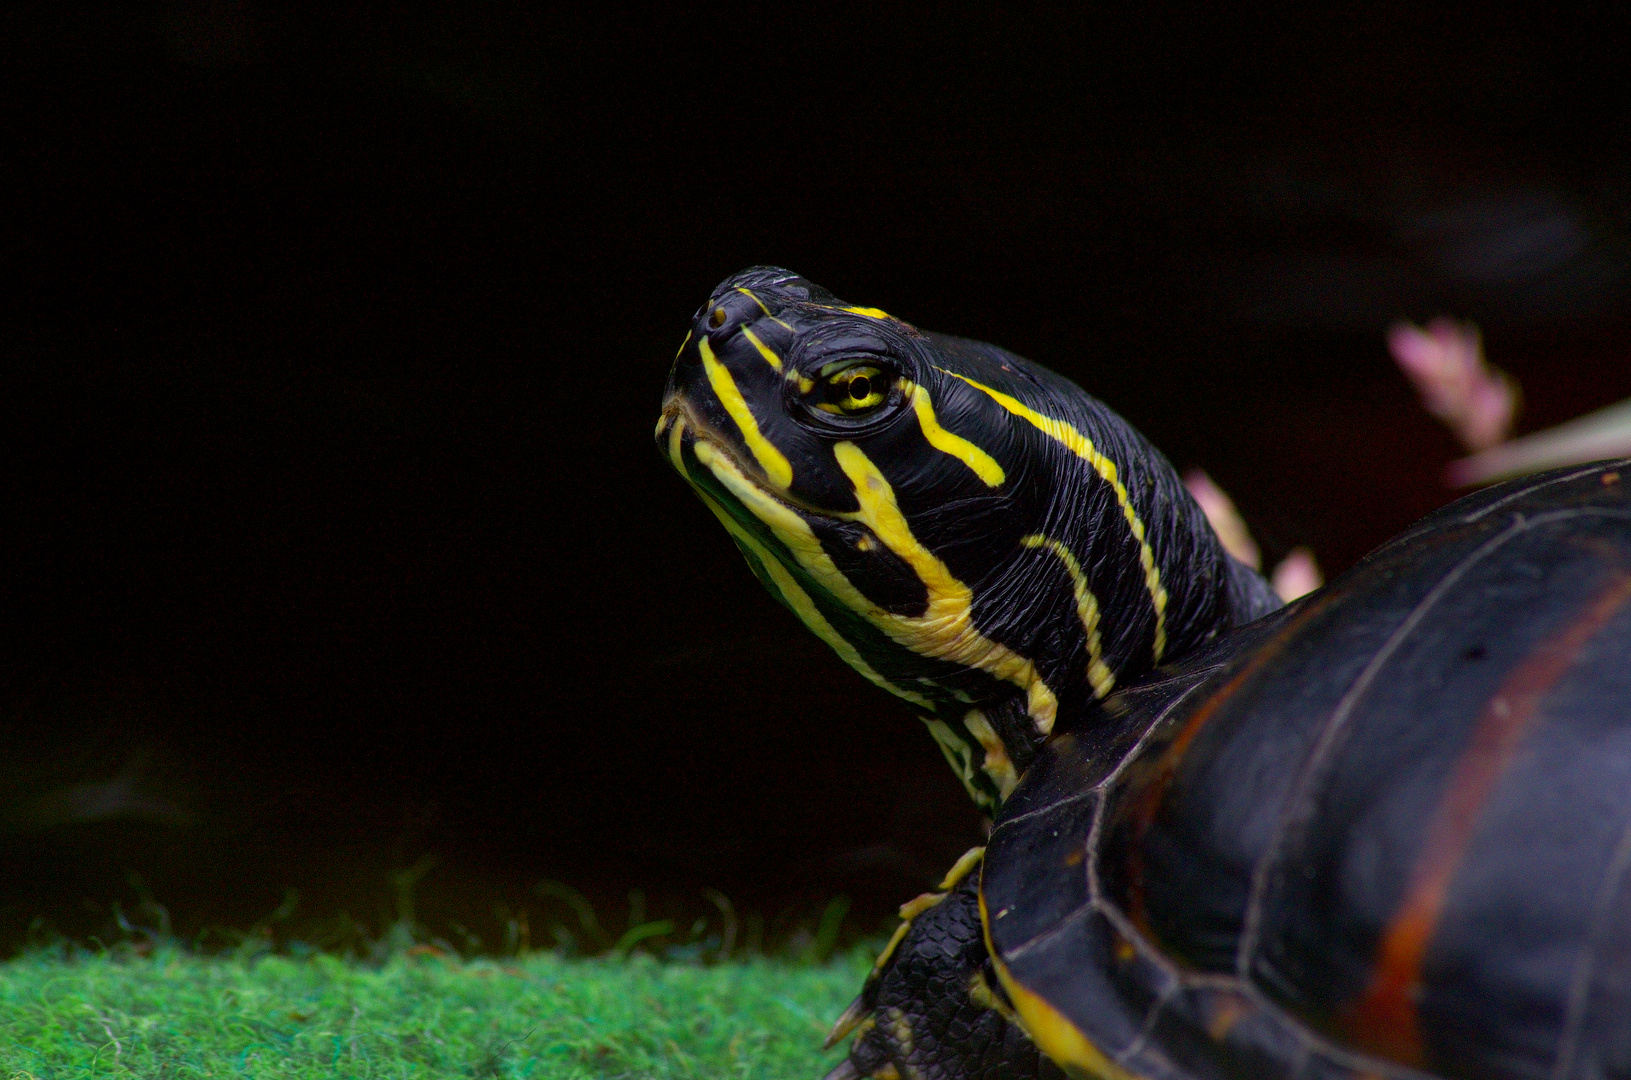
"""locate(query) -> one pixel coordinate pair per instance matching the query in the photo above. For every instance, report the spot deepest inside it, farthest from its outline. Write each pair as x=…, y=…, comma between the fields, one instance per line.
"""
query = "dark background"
x=334, y=540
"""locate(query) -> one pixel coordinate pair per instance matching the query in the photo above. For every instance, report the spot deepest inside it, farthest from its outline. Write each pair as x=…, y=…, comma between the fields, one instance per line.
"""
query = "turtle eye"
x=854, y=391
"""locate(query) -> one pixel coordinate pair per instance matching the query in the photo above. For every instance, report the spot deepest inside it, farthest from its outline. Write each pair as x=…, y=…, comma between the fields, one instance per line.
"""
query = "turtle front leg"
x=932, y=1008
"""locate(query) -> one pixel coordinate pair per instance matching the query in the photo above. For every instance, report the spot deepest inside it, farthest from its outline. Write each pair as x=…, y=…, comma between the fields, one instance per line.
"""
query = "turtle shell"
x=1385, y=831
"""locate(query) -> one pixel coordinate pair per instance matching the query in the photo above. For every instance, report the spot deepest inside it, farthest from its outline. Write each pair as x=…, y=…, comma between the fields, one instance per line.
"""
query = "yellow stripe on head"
x=872, y=312
x=777, y=468
x=1083, y=447
x=683, y=344
x=802, y=606
x=983, y=464
x=747, y=293
x=1087, y=609
x=674, y=454
x=945, y=631
x=764, y=350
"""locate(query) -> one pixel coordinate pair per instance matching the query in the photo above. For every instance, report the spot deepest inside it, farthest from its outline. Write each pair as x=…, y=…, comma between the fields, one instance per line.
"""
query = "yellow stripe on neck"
x=960, y=757
x=778, y=470
x=1087, y=609
x=1083, y=447
x=983, y=464
x=998, y=766
x=949, y=619
x=945, y=631
x=805, y=608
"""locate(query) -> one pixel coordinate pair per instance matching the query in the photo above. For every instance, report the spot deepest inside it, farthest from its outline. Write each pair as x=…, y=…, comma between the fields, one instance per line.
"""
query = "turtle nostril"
x=717, y=319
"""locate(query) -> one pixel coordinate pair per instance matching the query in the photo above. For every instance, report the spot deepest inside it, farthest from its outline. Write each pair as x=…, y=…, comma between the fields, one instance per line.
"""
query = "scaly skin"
x=935, y=1011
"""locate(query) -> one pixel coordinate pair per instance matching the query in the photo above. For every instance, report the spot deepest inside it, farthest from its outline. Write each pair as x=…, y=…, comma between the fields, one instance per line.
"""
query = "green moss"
x=175, y=1014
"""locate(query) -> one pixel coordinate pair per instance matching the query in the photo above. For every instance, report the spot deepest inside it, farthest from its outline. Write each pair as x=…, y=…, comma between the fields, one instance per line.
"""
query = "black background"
x=335, y=538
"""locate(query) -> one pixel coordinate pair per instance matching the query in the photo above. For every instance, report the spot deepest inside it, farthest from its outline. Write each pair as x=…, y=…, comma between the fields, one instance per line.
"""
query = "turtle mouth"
x=691, y=443
x=681, y=428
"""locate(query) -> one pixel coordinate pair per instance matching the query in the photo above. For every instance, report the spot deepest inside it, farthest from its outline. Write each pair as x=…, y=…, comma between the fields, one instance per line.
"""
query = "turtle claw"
x=848, y=1070
x=844, y=1070
x=846, y=1023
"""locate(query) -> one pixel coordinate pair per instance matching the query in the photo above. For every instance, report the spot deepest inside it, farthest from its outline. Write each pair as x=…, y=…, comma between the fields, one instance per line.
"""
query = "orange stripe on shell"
x=1384, y=1019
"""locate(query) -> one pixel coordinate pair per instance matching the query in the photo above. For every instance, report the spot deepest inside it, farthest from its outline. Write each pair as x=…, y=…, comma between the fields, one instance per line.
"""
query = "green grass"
x=173, y=1013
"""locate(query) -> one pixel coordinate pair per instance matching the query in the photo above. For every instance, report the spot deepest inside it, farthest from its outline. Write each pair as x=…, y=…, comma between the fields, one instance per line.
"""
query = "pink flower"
x=1226, y=520
x=1295, y=575
x=1446, y=362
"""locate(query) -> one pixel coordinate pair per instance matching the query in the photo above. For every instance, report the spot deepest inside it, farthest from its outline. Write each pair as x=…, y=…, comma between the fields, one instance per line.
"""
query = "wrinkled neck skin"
x=1117, y=571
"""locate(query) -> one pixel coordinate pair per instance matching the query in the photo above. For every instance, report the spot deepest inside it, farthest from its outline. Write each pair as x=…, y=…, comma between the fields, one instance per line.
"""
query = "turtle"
x=1382, y=831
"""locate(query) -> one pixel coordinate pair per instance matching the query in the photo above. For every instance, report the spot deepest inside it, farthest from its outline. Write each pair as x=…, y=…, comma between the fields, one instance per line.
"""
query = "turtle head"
x=934, y=509
x=795, y=388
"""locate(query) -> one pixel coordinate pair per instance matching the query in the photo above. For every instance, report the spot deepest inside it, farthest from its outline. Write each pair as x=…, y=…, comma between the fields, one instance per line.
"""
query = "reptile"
x=1384, y=831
